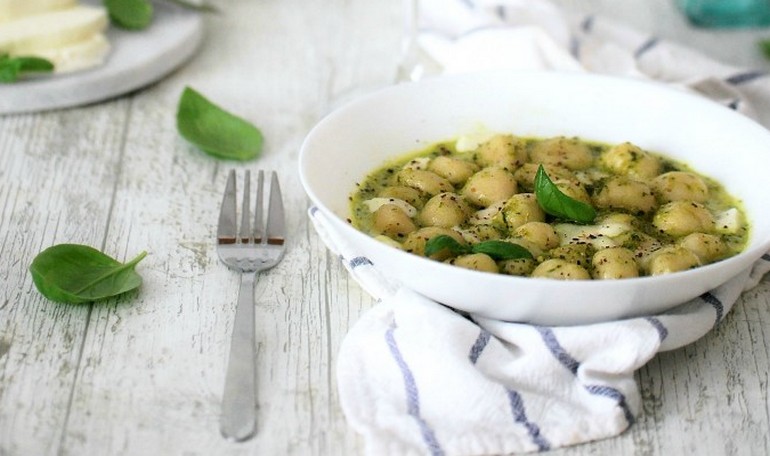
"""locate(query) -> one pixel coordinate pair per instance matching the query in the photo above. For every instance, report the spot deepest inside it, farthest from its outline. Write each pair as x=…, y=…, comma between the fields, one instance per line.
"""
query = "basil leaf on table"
x=216, y=131
x=498, y=250
x=12, y=68
x=556, y=203
x=129, y=14
x=75, y=273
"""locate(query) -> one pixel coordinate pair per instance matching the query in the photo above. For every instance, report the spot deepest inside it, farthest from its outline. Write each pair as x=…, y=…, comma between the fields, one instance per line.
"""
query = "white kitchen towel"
x=416, y=377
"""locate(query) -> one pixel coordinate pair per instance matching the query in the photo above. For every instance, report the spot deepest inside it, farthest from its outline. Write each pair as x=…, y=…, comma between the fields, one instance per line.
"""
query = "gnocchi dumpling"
x=505, y=151
x=445, y=210
x=490, y=185
x=416, y=240
x=707, y=247
x=626, y=194
x=424, y=181
x=680, y=218
x=525, y=175
x=539, y=233
x=392, y=221
x=629, y=159
x=556, y=268
x=476, y=261
x=671, y=258
x=570, y=153
x=680, y=186
x=455, y=170
x=520, y=208
x=614, y=263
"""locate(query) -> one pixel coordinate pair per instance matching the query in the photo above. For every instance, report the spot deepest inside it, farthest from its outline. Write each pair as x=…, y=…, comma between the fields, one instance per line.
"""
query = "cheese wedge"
x=16, y=9
x=32, y=34
x=79, y=56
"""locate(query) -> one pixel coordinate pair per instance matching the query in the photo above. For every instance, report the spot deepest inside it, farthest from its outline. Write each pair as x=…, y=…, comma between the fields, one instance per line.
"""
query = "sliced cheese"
x=17, y=9
x=728, y=222
x=32, y=34
x=78, y=56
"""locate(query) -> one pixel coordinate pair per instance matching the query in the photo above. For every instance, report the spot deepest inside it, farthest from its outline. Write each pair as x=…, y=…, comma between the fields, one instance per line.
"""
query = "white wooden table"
x=143, y=374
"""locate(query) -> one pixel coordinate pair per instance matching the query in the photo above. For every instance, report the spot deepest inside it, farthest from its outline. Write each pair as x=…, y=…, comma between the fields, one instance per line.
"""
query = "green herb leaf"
x=502, y=250
x=441, y=242
x=216, y=131
x=12, y=68
x=764, y=46
x=76, y=273
x=556, y=203
x=130, y=14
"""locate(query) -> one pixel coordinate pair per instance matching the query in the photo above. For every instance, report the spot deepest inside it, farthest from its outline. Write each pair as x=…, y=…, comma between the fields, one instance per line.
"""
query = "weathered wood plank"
x=153, y=367
x=55, y=185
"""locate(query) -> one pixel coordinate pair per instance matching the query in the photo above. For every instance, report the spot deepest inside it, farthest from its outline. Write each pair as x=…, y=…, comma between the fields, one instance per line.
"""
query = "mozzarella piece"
x=33, y=34
x=16, y=9
x=376, y=203
x=600, y=236
x=78, y=56
x=728, y=222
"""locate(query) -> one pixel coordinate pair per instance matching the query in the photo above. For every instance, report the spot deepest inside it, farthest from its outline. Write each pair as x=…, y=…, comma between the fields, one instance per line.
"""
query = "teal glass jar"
x=726, y=13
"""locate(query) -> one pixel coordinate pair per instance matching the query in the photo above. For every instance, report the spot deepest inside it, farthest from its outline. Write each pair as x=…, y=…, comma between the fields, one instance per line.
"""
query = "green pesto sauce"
x=719, y=200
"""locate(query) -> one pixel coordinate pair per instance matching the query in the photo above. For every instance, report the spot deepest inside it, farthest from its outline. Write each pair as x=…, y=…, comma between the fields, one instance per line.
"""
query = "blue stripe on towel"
x=478, y=346
x=359, y=261
x=587, y=24
x=662, y=330
x=514, y=399
x=742, y=78
x=716, y=304
x=646, y=46
x=574, y=47
x=520, y=416
x=612, y=393
x=573, y=365
x=557, y=350
x=412, y=395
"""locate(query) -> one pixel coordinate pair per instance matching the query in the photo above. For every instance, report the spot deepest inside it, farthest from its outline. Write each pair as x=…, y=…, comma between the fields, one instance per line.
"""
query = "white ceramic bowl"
x=718, y=142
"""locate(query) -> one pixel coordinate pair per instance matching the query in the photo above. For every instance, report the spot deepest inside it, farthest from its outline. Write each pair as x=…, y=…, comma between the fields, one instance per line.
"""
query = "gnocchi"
x=652, y=215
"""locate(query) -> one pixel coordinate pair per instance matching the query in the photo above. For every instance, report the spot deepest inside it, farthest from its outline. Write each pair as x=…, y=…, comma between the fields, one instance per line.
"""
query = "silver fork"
x=248, y=250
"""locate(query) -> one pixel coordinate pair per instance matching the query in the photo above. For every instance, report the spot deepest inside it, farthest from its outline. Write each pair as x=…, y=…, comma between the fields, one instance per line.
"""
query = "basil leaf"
x=764, y=47
x=215, y=131
x=556, y=203
x=441, y=242
x=76, y=273
x=129, y=14
x=11, y=68
x=501, y=250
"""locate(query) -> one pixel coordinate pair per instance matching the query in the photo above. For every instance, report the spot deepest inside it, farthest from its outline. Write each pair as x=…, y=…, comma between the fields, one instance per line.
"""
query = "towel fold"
x=416, y=377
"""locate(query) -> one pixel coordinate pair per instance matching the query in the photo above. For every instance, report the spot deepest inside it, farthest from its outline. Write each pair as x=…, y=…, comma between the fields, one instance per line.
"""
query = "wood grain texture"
x=143, y=373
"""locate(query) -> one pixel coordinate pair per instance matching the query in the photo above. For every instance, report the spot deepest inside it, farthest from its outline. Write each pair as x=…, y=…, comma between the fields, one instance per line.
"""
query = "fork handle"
x=239, y=400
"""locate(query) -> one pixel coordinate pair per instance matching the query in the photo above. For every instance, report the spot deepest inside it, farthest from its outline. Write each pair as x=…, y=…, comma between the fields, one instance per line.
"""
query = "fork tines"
x=273, y=232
